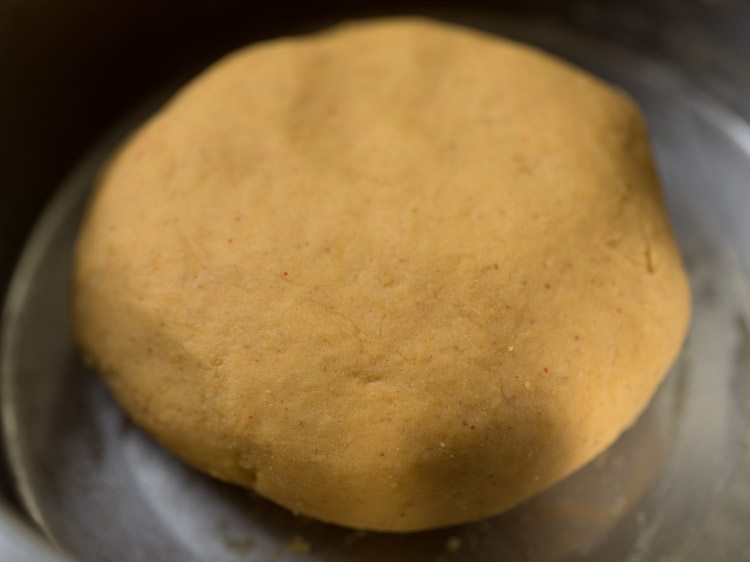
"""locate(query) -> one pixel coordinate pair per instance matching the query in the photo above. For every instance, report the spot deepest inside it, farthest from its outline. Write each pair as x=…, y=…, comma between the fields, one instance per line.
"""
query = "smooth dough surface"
x=397, y=275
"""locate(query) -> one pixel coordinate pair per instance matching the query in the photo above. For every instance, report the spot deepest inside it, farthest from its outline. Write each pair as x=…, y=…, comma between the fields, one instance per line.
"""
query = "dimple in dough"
x=397, y=275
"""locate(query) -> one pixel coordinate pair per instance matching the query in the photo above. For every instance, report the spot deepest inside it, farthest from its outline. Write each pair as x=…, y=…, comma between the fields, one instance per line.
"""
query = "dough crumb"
x=240, y=546
x=299, y=545
x=618, y=506
x=453, y=544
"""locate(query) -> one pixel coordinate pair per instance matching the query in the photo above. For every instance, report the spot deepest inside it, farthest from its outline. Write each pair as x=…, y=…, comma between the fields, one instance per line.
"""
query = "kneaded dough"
x=397, y=275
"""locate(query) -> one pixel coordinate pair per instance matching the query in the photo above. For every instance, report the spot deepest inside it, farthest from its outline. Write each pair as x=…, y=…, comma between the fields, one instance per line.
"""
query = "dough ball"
x=396, y=275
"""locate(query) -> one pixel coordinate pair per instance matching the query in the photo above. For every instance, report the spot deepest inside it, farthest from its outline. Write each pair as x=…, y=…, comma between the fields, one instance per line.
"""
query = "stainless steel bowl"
x=675, y=487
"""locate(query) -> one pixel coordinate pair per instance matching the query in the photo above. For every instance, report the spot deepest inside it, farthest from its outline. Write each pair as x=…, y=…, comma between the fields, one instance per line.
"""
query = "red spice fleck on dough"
x=285, y=273
x=546, y=370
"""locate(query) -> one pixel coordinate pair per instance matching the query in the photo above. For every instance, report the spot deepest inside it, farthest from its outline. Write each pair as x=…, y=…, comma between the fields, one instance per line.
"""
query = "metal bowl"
x=674, y=487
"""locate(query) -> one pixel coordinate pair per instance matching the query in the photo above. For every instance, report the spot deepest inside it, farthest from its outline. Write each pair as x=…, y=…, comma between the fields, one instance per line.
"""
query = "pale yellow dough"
x=397, y=275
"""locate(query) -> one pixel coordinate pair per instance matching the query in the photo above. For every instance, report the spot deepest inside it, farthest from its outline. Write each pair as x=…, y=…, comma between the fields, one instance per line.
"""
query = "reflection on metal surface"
x=674, y=487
